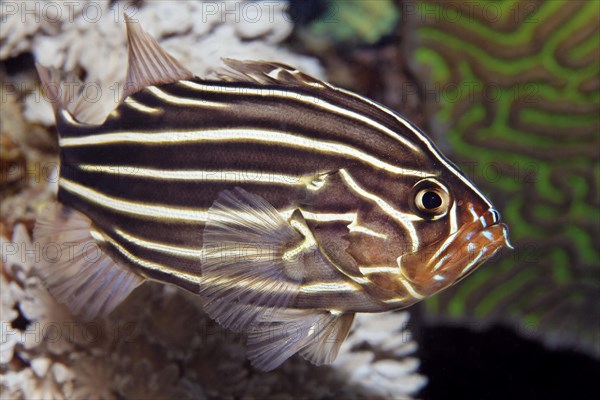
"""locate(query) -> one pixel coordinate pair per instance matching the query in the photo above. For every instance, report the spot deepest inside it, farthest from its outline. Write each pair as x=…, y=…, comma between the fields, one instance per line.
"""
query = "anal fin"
x=317, y=335
x=81, y=275
x=324, y=348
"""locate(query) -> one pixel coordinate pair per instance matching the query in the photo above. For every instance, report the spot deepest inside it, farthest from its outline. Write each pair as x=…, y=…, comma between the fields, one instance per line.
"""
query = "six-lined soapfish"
x=286, y=203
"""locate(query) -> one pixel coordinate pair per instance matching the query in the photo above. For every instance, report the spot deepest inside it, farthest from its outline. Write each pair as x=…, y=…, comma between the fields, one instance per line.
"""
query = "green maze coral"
x=517, y=101
x=356, y=21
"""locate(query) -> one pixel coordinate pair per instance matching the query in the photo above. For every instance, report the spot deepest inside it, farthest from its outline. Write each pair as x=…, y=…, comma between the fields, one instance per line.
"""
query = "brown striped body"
x=273, y=195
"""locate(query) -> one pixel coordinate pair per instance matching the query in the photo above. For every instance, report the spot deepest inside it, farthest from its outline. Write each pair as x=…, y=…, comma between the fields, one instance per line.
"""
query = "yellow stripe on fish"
x=287, y=204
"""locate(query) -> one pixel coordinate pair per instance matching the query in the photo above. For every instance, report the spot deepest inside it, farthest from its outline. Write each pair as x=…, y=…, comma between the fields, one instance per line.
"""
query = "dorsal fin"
x=266, y=73
x=149, y=64
x=69, y=97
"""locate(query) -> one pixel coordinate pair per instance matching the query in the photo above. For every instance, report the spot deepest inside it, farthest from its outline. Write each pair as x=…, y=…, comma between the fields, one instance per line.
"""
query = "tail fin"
x=81, y=276
x=66, y=93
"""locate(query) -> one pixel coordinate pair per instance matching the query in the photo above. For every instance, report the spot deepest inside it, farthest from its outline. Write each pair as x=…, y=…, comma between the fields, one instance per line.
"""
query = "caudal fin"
x=75, y=269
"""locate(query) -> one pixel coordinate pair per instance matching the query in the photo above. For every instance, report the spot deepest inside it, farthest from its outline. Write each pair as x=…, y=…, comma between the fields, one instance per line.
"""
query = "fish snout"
x=448, y=261
x=475, y=243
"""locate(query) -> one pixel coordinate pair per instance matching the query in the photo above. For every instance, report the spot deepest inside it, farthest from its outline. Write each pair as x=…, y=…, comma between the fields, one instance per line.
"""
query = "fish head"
x=427, y=232
x=458, y=230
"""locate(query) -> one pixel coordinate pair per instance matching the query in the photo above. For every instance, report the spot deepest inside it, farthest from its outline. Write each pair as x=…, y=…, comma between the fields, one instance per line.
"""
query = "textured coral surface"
x=159, y=343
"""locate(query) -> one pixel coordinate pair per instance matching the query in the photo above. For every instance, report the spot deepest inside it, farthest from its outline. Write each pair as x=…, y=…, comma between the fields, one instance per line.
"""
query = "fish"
x=285, y=203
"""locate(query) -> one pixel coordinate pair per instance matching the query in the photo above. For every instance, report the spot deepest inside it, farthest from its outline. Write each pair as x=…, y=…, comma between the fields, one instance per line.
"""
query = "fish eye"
x=431, y=199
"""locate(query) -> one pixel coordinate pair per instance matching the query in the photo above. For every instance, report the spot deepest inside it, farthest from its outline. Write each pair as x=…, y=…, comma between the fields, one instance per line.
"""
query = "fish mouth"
x=444, y=263
x=485, y=236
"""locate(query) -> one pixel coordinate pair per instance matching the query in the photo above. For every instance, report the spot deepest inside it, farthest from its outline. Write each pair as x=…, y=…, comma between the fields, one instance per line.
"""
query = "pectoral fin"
x=254, y=263
x=243, y=269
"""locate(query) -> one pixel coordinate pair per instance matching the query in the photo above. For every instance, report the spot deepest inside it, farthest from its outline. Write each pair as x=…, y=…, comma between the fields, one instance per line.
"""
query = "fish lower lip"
x=496, y=236
x=505, y=237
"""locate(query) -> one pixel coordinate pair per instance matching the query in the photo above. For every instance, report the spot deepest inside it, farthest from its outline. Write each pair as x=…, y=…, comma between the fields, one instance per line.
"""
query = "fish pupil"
x=431, y=200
